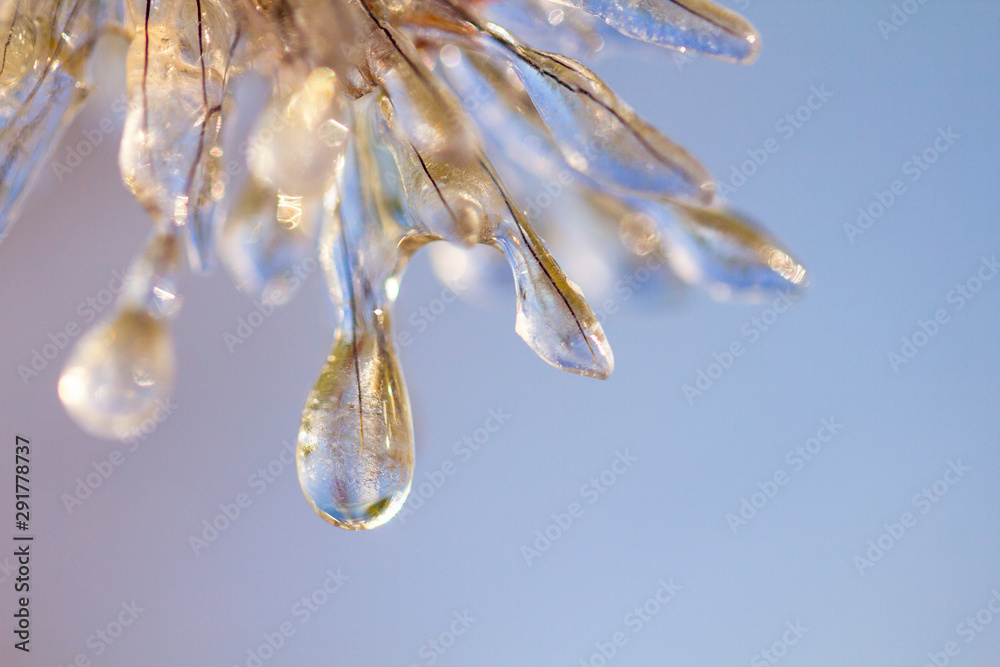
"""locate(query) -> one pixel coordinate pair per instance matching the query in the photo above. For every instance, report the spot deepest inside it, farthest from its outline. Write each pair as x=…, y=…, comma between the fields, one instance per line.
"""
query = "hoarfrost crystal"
x=391, y=125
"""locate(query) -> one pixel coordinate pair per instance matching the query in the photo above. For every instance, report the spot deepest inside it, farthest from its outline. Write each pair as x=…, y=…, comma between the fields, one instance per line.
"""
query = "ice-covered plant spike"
x=123, y=368
x=390, y=125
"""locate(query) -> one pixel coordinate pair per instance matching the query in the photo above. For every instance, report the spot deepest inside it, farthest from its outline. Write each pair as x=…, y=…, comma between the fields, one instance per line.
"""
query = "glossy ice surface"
x=390, y=125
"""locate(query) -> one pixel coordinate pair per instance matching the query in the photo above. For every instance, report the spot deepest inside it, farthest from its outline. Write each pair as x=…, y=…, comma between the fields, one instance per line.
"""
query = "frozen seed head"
x=391, y=124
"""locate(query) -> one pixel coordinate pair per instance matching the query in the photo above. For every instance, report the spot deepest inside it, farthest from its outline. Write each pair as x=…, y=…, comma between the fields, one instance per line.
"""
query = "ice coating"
x=400, y=124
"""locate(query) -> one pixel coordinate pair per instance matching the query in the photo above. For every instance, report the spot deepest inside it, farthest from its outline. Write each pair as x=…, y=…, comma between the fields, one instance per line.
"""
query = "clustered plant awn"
x=391, y=123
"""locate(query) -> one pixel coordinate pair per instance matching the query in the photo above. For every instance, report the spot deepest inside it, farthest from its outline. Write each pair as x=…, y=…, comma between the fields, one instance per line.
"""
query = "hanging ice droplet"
x=355, y=449
x=152, y=282
x=118, y=373
x=553, y=317
x=267, y=241
x=298, y=138
x=696, y=25
x=598, y=134
x=728, y=254
x=41, y=86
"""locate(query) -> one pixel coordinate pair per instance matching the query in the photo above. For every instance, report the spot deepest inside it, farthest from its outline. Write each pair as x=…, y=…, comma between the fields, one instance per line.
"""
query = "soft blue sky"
x=665, y=517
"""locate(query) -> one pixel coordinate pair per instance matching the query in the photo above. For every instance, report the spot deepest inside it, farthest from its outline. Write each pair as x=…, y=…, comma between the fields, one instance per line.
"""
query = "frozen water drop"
x=553, y=316
x=729, y=255
x=355, y=448
x=696, y=25
x=299, y=138
x=118, y=373
x=268, y=242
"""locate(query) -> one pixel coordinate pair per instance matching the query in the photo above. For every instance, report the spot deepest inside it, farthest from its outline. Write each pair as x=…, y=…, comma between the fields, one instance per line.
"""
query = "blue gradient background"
x=663, y=519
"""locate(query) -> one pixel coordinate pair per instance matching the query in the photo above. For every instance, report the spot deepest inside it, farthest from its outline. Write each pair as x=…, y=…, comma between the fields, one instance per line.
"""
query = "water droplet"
x=730, y=255
x=117, y=374
x=267, y=242
x=703, y=27
x=553, y=316
x=598, y=134
x=151, y=284
x=299, y=137
x=41, y=87
x=355, y=448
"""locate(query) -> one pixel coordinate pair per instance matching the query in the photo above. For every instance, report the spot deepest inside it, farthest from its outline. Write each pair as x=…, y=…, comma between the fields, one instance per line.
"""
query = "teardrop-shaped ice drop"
x=598, y=134
x=298, y=138
x=118, y=373
x=355, y=449
x=553, y=317
x=41, y=85
x=267, y=238
x=729, y=255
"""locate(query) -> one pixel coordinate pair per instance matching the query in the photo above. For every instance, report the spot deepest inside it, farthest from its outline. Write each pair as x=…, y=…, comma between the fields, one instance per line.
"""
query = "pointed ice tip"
x=604, y=366
x=603, y=358
x=753, y=47
x=569, y=349
x=732, y=37
x=726, y=35
x=599, y=367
